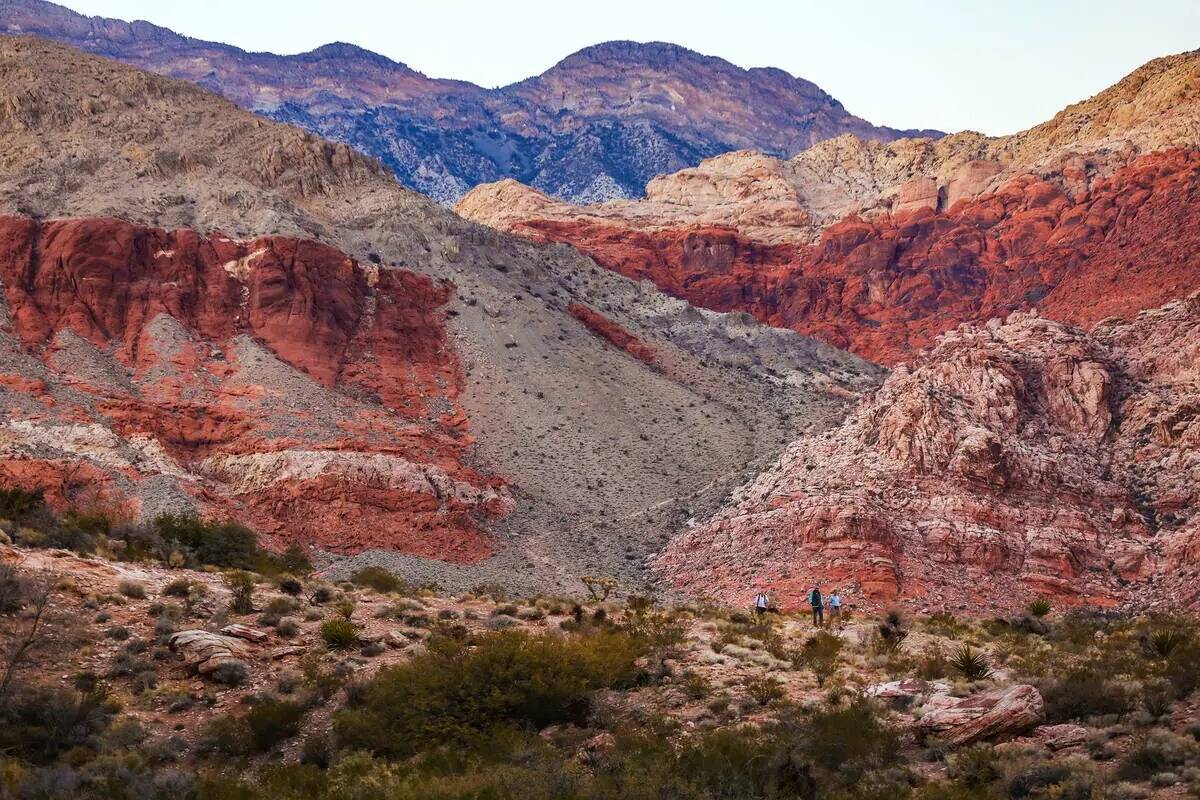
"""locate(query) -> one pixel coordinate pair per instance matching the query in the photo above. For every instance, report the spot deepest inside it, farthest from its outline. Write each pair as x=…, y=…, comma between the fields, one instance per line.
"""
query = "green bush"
x=241, y=585
x=180, y=587
x=1183, y=668
x=1040, y=607
x=379, y=579
x=1161, y=642
x=453, y=691
x=222, y=544
x=39, y=723
x=971, y=663
x=267, y=724
x=132, y=589
x=821, y=653
x=1082, y=692
x=339, y=633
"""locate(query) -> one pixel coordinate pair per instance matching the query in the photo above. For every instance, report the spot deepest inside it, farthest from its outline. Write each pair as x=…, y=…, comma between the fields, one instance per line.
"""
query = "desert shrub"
x=270, y=722
x=179, y=587
x=821, y=653
x=320, y=595
x=495, y=592
x=1063, y=779
x=453, y=691
x=18, y=504
x=944, y=623
x=222, y=544
x=276, y=609
x=1159, y=751
x=1082, y=692
x=1040, y=607
x=933, y=663
x=291, y=586
x=16, y=589
x=241, y=585
x=1161, y=642
x=975, y=767
x=379, y=579
x=287, y=627
x=39, y=723
x=1182, y=668
x=132, y=589
x=972, y=664
x=231, y=673
x=294, y=561
x=842, y=744
x=339, y=633
x=888, y=637
x=765, y=690
x=599, y=587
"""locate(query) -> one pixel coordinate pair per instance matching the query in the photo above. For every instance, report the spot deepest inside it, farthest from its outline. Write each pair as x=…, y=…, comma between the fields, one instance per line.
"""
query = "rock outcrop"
x=884, y=286
x=1016, y=459
x=990, y=715
x=276, y=380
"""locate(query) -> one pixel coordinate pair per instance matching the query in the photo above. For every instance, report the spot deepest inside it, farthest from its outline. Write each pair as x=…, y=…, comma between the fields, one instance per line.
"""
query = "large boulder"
x=994, y=714
x=205, y=651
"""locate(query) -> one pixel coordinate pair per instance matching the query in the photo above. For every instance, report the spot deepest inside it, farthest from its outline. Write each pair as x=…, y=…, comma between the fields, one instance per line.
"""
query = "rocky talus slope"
x=601, y=452
x=1015, y=459
x=878, y=247
x=597, y=125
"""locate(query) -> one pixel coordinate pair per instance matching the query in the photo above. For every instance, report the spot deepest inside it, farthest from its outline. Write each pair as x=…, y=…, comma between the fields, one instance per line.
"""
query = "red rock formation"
x=885, y=288
x=1013, y=460
x=610, y=331
x=165, y=341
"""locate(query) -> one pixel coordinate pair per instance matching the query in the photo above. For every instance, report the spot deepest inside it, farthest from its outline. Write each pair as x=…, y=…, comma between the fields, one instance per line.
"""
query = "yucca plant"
x=1162, y=642
x=971, y=663
x=1040, y=607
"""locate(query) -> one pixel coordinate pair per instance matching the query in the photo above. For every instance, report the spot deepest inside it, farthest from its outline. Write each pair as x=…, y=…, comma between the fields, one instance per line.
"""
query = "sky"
x=995, y=66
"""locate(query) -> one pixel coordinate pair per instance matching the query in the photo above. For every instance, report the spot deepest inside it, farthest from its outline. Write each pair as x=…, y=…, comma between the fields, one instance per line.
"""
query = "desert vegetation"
x=375, y=687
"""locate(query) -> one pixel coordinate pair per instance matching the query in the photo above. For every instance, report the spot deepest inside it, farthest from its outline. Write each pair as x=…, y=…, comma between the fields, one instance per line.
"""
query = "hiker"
x=761, y=603
x=818, y=605
x=835, y=606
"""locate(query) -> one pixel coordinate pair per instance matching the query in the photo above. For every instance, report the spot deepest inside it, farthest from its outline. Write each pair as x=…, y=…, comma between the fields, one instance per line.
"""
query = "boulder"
x=205, y=651
x=240, y=631
x=1006, y=711
x=1060, y=737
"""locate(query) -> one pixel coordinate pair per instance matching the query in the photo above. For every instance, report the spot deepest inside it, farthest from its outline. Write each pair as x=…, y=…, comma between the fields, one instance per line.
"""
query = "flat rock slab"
x=244, y=632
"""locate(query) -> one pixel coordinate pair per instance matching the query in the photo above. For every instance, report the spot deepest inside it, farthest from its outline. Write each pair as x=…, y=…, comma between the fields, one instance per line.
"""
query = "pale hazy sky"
x=995, y=67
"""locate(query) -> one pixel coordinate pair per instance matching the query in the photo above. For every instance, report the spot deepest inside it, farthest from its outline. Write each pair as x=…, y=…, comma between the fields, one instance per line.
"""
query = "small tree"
x=37, y=598
x=241, y=585
x=598, y=587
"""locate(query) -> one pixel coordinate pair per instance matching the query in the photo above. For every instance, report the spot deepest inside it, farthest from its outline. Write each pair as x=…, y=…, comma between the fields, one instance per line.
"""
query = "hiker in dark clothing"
x=818, y=605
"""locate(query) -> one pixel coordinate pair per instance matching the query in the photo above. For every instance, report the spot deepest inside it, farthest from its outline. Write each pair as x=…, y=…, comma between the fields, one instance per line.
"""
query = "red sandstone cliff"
x=1013, y=460
x=885, y=287
x=275, y=380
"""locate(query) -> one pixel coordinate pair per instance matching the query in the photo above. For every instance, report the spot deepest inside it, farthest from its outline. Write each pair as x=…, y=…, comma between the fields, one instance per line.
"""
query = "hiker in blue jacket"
x=818, y=604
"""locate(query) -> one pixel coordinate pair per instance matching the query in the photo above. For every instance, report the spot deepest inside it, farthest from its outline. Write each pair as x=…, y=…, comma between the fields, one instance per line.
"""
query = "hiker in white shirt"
x=761, y=603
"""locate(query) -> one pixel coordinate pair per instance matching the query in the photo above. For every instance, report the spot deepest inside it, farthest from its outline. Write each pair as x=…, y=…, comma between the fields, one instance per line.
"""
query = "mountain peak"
x=345, y=51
